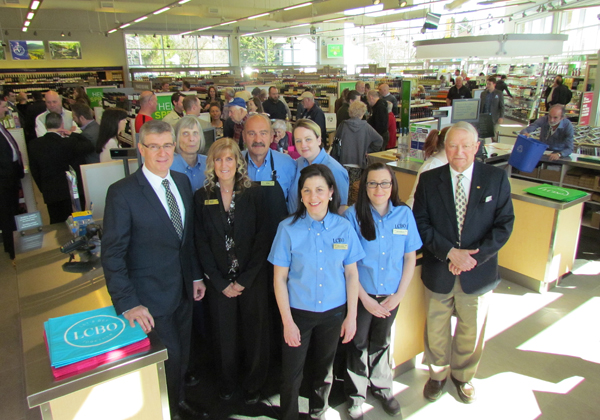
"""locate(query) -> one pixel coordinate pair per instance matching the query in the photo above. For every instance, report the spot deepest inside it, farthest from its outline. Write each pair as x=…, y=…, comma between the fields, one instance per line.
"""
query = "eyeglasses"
x=168, y=147
x=385, y=185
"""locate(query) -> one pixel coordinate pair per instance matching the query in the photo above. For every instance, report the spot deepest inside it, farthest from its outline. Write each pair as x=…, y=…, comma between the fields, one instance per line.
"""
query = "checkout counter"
x=133, y=387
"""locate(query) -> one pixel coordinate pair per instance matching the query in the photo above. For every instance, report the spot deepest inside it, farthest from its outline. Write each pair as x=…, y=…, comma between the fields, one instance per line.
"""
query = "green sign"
x=555, y=193
x=95, y=94
x=405, y=104
x=335, y=50
x=164, y=106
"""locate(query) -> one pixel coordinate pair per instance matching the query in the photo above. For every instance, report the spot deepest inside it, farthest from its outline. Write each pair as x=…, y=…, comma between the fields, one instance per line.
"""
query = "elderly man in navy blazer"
x=149, y=258
x=464, y=214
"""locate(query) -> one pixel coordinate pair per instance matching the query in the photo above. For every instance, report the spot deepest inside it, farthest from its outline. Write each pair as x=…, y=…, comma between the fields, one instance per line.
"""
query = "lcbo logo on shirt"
x=338, y=243
x=401, y=226
x=94, y=331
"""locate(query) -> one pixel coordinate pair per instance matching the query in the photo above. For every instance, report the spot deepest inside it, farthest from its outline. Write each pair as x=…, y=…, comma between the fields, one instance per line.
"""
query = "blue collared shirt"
x=316, y=253
x=284, y=165
x=195, y=174
x=561, y=141
x=339, y=173
x=380, y=271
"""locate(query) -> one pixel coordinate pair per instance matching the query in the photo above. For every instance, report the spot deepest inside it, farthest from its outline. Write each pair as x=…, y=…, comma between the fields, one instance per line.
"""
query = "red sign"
x=586, y=108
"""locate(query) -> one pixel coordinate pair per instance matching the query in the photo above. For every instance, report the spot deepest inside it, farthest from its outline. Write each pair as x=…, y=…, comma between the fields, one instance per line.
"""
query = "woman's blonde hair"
x=217, y=149
x=309, y=125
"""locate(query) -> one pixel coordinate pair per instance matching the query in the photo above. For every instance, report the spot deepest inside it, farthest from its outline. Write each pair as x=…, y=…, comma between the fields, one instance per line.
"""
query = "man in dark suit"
x=149, y=258
x=558, y=93
x=49, y=158
x=379, y=115
x=11, y=172
x=84, y=118
x=492, y=103
x=464, y=214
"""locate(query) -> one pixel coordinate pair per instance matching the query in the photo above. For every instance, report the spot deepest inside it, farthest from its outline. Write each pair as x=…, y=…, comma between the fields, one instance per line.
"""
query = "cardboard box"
x=571, y=179
x=596, y=219
x=587, y=181
x=596, y=197
x=534, y=174
x=550, y=175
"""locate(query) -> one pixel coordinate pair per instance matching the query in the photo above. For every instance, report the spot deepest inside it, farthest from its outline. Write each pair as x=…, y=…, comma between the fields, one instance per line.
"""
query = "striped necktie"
x=174, y=212
x=461, y=203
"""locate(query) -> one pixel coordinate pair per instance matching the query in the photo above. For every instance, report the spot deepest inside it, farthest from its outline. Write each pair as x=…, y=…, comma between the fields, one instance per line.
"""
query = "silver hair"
x=279, y=125
x=465, y=126
x=374, y=94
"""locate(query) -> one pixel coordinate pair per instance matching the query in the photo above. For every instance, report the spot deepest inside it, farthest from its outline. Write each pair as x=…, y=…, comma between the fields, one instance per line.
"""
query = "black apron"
x=276, y=206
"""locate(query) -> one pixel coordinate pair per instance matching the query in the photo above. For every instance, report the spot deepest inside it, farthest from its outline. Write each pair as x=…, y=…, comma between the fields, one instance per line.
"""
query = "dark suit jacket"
x=497, y=106
x=49, y=159
x=90, y=132
x=488, y=225
x=10, y=172
x=251, y=237
x=561, y=95
x=144, y=261
x=379, y=117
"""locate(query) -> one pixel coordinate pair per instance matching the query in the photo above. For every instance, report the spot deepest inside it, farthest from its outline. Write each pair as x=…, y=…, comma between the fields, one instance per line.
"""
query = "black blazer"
x=250, y=236
x=144, y=261
x=488, y=225
x=10, y=172
x=49, y=158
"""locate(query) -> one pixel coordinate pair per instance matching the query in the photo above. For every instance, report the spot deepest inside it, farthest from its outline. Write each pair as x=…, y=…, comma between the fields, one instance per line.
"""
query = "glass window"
x=277, y=51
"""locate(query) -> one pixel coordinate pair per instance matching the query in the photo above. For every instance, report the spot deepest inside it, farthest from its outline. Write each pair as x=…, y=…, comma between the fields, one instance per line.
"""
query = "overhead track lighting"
x=62, y=34
x=158, y=12
x=298, y=6
x=376, y=1
x=402, y=3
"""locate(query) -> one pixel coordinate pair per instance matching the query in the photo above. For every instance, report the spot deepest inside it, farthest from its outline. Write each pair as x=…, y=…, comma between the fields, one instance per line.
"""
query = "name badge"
x=340, y=246
x=210, y=202
x=400, y=232
x=267, y=183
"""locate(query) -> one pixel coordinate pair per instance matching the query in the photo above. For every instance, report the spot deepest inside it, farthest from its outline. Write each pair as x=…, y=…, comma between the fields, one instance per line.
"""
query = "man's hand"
x=291, y=334
x=142, y=316
x=238, y=287
x=374, y=307
x=500, y=120
x=454, y=269
x=348, y=329
x=230, y=291
x=553, y=156
x=526, y=134
x=199, y=290
x=391, y=302
x=461, y=258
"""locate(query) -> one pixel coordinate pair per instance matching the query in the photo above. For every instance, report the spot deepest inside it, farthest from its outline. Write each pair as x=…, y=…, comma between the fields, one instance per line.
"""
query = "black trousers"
x=368, y=357
x=174, y=331
x=240, y=328
x=59, y=211
x=320, y=333
x=9, y=207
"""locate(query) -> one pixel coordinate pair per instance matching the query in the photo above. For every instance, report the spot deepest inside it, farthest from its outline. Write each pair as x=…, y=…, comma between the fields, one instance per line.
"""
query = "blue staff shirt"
x=195, y=174
x=339, y=173
x=316, y=253
x=380, y=271
x=284, y=165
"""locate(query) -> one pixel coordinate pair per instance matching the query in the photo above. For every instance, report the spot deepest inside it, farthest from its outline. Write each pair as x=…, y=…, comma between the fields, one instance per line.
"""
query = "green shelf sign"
x=335, y=50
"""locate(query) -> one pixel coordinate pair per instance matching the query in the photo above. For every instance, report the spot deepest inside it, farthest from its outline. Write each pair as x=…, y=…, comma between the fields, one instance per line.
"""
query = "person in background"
x=379, y=115
x=464, y=214
x=558, y=93
x=37, y=107
x=435, y=156
x=443, y=82
x=177, y=112
x=49, y=158
x=392, y=142
x=191, y=106
x=312, y=111
x=81, y=96
x=458, y=91
x=254, y=106
x=149, y=257
x=189, y=143
x=342, y=113
x=114, y=121
x=11, y=173
x=256, y=93
x=165, y=87
x=84, y=118
x=215, y=118
x=232, y=244
x=384, y=275
x=148, y=104
x=54, y=104
x=358, y=139
x=341, y=100
x=213, y=96
x=185, y=86
x=263, y=95
x=501, y=85
x=22, y=105
x=362, y=90
x=273, y=106
x=307, y=137
x=555, y=130
x=300, y=104
x=314, y=255
x=10, y=97
x=229, y=94
x=463, y=74
x=234, y=125
x=367, y=87
x=492, y=103
x=384, y=93
x=283, y=140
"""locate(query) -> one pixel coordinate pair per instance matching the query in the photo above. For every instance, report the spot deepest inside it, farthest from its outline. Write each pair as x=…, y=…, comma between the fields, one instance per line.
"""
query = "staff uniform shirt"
x=339, y=173
x=380, y=271
x=316, y=253
x=195, y=174
x=284, y=165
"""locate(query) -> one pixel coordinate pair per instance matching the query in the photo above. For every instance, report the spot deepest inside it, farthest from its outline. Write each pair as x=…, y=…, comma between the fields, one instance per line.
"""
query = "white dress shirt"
x=156, y=183
x=466, y=181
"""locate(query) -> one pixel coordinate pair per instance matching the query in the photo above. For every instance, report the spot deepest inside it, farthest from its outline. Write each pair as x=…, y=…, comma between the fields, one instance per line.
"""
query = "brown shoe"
x=465, y=390
x=433, y=389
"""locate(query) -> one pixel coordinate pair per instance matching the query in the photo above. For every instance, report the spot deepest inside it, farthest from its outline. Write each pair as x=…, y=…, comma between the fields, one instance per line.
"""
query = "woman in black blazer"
x=232, y=245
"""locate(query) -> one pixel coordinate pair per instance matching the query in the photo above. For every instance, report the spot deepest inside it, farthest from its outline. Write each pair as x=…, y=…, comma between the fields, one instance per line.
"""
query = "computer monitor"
x=465, y=110
x=210, y=135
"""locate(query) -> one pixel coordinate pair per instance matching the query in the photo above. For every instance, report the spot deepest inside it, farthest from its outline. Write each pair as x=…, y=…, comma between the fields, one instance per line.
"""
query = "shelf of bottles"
x=324, y=93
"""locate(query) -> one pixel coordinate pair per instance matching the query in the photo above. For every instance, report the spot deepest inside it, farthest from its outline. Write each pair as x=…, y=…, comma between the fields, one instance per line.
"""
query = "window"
x=276, y=51
x=176, y=51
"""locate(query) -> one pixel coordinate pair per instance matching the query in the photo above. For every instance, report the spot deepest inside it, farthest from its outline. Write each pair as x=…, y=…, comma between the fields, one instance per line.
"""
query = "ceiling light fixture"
x=24, y=29
x=402, y=3
x=112, y=31
x=62, y=34
x=138, y=20
x=227, y=23
x=27, y=23
x=125, y=25
x=183, y=1
x=376, y=1
x=30, y=15
x=35, y=4
x=334, y=20
x=258, y=16
x=300, y=25
x=298, y=6
x=158, y=12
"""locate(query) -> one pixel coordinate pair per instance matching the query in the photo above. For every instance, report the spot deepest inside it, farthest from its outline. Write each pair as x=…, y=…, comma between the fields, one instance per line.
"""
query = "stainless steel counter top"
x=47, y=291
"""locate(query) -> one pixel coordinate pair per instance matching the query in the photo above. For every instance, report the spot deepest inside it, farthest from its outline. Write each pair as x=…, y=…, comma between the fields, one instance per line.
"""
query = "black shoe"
x=191, y=380
x=465, y=390
x=186, y=411
x=225, y=394
x=392, y=407
x=251, y=398
x=355, y=412
x=433, y=389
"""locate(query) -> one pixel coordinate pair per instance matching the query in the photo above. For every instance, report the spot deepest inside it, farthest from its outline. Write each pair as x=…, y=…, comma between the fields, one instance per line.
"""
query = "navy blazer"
x=144, y=261
x=488, y=225
x=251, y=236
